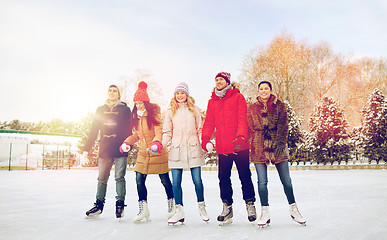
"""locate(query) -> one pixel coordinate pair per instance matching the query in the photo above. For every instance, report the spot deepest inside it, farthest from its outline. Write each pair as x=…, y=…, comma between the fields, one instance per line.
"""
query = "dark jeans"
x=284, y=174
x=141, y=188
x=242, y=163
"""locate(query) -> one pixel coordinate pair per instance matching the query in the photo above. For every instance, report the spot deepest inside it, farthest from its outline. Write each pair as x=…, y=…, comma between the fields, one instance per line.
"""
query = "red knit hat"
x=224, y=75
x=141, y=94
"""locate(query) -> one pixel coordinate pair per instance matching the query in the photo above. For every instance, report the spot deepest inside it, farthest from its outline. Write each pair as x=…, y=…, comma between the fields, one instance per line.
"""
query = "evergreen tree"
x=329, y=135
x=295, y=137
x=374, y=137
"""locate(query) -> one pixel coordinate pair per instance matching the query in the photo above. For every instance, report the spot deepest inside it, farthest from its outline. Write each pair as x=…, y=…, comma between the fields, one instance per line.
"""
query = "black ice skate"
x=226, y=216
x=251, y=212
x=120, y=208
x=97, y=209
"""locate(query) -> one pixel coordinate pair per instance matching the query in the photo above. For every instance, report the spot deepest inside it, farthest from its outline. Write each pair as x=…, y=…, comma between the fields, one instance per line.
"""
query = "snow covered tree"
x=295, y=137
x=374, y=136
x=329, y=136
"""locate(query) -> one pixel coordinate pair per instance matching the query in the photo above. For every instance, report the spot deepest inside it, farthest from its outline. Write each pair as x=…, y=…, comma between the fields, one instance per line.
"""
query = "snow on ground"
x=51, y=204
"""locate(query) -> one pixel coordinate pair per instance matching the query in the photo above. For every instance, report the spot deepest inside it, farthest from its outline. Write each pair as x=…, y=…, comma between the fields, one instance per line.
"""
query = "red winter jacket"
x=228, y=116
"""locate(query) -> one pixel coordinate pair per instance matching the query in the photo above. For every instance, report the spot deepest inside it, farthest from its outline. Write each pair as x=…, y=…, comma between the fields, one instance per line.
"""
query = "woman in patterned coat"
x=268, y=130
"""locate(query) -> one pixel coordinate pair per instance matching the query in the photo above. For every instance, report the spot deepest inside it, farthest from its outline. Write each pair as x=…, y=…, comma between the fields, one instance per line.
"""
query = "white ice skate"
x=296, y=215
x=171, y=208
x=178, y=216
x=203, y=212
x=142, y=213
x=264, y=220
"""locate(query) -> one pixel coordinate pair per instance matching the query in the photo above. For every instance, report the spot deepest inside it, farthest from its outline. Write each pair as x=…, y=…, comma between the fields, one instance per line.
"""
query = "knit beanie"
x=141, y=94
x=119, y=87
x=224, y=75
x=182, y=87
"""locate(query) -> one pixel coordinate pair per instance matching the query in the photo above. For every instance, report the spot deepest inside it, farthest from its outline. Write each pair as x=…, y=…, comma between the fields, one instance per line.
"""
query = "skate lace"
x=225, y=211
x=140, y=208
x=170, y=205
x=251, y=209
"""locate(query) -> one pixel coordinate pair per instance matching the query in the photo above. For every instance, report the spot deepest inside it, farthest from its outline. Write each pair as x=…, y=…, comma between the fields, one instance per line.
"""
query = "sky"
x=57, y=58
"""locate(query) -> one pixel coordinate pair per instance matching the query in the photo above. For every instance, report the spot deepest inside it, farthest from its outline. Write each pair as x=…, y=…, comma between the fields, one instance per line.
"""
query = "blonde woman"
x=182, y=132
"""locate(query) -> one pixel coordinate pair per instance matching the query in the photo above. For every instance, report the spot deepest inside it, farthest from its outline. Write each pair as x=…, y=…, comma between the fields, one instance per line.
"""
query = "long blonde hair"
x=174, y=105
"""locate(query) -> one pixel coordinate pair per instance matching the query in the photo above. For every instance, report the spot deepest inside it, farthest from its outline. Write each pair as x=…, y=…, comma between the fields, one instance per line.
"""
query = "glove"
x=210, y=146
x=238, y=142
x=125, y=147
x=207, y=145
x=85, y=154
x=278, y=150
x=156, y=147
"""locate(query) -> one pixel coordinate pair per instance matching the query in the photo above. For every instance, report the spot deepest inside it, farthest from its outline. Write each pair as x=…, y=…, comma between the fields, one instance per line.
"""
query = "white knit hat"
x=119, y=87
x=182, y=87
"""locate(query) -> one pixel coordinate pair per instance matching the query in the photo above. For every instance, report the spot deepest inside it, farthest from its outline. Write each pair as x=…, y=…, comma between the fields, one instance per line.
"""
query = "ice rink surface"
x=50, y=204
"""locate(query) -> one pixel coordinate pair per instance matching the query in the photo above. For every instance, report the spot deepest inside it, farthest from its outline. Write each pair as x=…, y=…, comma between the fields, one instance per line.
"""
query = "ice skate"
x=178, y=216
x=251, y=212
x=264, y=220
x=296, y=215
x=226, y=216
x=96, y=210
x=120, y=209
x=171, y=208
x=142, y=213
x=203, y=212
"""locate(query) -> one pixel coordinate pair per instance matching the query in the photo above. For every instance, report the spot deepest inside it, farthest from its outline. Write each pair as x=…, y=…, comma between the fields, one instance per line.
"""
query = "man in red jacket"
x=227, y=113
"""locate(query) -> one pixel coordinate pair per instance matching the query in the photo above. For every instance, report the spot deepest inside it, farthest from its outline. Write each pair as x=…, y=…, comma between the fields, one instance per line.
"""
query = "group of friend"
x=255, y=133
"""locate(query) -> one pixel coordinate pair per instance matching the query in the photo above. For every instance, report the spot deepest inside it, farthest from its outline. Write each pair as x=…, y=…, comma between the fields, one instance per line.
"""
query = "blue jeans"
x=196, y=175
x=284, y=174
x=104, y=167
x=141, y=188
x=242, y=163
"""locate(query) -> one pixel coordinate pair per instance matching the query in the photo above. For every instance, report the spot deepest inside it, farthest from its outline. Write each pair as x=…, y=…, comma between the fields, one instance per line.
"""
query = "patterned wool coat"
x=268, y=129
x=147, y=162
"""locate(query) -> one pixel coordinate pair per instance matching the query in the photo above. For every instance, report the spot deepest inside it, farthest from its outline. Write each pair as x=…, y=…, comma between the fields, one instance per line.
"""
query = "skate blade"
x=141, y=221
x=224, y=223
x=267, y=224
x=301, y=223
x=175, y=223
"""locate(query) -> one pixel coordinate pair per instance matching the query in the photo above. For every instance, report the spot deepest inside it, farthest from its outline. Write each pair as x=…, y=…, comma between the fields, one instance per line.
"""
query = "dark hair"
x=268, y=83
x=152, y=109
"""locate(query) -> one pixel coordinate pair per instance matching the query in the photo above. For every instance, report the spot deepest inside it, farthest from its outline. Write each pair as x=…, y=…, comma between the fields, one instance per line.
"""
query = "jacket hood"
x=234, y=89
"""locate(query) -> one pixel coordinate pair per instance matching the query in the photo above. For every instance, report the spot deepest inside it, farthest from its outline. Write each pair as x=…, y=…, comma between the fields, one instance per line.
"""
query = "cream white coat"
x=182, y=134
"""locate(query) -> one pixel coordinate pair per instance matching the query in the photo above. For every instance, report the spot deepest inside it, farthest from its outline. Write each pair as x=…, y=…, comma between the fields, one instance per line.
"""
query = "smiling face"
x=113, y=94
x=220, y=83
x=180, y=96
x=264, y=91
x=140, y=105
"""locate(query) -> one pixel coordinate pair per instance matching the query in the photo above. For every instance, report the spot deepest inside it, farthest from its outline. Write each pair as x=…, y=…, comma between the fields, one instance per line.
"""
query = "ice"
x=51, y=204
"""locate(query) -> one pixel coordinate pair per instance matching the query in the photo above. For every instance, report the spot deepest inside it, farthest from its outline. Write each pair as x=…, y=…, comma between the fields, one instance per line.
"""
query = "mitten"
x=125, y=147
x=156, y=147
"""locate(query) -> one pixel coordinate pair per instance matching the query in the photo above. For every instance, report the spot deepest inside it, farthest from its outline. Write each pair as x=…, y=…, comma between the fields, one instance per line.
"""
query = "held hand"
x=238, y=142
x=156, y=147
x=279, y=150
x=209, y=147
x=125, y=147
